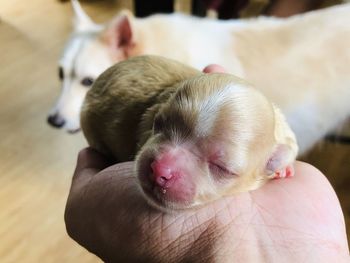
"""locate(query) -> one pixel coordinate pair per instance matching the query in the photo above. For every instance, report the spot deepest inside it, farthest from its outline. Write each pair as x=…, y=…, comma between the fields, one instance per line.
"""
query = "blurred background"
x=37, y=162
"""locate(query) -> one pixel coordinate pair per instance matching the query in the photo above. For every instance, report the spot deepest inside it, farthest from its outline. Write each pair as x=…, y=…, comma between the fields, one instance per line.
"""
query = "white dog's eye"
x=87, y=81
x=60, y=73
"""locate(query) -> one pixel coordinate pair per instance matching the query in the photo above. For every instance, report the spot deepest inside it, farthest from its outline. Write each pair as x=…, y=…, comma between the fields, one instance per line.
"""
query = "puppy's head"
x=214, y=137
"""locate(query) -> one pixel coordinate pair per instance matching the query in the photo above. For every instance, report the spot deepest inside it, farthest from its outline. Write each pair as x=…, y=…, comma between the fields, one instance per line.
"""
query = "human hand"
x=289, y=220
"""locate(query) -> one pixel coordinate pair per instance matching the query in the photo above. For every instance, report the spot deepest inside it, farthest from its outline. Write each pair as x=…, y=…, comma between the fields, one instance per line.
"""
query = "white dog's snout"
x=56, y=120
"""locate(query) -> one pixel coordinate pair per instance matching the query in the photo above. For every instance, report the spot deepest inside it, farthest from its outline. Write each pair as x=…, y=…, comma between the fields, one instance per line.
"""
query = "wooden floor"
x=36, y=161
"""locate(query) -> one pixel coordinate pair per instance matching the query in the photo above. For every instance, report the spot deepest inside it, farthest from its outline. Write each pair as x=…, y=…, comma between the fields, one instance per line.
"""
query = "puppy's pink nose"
x=162, y=173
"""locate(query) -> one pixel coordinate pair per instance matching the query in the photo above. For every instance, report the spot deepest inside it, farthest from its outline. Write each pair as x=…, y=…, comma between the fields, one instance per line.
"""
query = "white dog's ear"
x=81, y=21
x=120, y=33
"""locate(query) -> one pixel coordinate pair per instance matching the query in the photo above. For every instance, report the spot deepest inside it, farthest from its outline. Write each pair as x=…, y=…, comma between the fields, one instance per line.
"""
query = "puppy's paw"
x=284, y=173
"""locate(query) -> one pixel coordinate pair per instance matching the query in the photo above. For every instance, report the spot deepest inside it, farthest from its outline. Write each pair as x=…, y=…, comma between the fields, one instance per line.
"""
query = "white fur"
x=207, y=116
x=302, y=63
x=197, y=42
x=76, y=63
x=82, y=22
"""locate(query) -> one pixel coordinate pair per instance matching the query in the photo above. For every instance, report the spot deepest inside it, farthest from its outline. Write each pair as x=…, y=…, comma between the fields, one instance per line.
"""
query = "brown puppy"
x=196, y=137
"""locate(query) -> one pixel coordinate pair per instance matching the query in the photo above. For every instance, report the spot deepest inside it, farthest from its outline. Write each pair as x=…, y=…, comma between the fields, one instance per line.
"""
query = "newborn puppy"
x=196, y=137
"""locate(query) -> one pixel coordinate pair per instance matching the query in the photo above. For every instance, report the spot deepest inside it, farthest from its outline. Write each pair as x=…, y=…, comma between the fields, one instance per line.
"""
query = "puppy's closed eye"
x=220, y=172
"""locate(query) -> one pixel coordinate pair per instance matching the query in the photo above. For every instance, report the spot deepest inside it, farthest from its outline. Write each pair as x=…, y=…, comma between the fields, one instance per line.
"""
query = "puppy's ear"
x=284, y=153
x=120, y=34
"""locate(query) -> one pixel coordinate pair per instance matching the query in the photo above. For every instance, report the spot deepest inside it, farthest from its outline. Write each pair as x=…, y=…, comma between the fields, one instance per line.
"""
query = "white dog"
x=301, y=63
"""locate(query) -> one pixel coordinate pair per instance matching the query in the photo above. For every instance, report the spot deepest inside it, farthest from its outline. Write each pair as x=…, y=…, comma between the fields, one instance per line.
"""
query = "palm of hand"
x=292, y=220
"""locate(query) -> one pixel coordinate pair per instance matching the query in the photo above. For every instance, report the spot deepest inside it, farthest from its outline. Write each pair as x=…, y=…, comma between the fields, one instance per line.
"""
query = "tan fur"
x=113, y=112
x=145, y=104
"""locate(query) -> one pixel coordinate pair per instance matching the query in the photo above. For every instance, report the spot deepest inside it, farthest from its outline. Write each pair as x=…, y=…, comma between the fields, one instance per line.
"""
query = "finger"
x=214, y=68
x=89, y=163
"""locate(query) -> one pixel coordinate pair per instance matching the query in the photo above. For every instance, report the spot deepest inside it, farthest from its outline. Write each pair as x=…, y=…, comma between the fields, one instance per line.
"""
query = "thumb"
x=214, y=68
x=89, y=163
